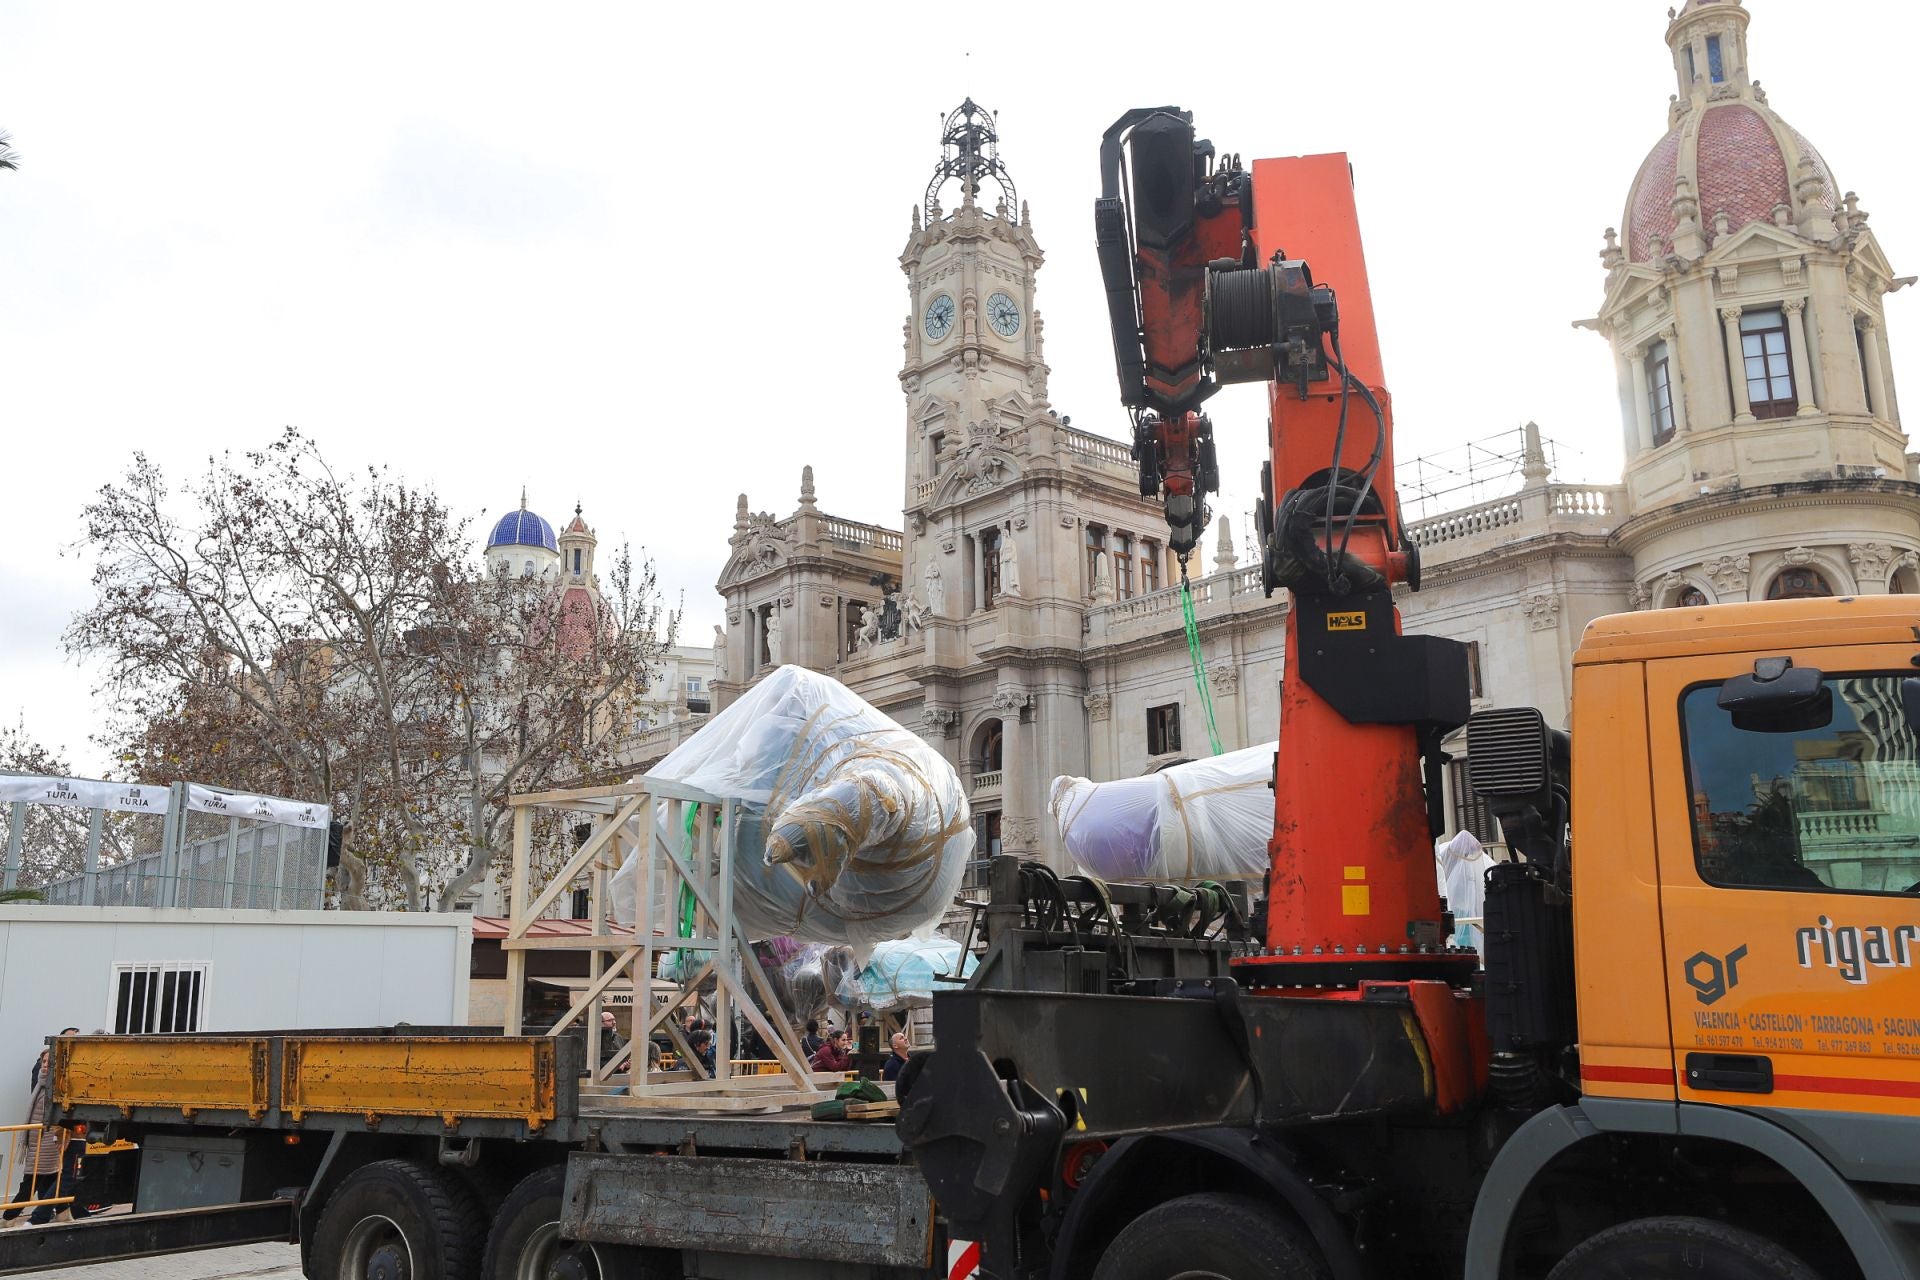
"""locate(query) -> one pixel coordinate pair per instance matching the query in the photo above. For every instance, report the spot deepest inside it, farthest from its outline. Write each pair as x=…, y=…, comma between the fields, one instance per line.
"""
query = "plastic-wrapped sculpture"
x=851, y=829
x=1204, y=820
x=906, y=973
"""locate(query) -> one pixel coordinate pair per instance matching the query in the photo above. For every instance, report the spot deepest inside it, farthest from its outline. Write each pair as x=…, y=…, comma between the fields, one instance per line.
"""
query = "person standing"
x=897, y=1059
x=49, y=1143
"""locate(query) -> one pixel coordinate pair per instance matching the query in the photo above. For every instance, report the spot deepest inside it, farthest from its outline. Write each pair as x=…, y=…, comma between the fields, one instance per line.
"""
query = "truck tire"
x=1212, y=1237
x=525, y=1242
x=397, y=1220
x=1679, y=1247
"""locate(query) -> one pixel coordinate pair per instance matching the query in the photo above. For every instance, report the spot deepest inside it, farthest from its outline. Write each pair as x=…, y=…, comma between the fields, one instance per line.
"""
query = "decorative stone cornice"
x=1794, y=495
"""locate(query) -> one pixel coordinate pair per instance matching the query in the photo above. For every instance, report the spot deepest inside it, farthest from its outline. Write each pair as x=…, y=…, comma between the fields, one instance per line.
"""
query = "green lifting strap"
x=1199, y=664
x=683, y=960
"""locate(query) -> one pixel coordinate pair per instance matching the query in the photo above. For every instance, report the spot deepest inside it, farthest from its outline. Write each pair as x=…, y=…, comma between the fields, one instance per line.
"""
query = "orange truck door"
x=1789, y=852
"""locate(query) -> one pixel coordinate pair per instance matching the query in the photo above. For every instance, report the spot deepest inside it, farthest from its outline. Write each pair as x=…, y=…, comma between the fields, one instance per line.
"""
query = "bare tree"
x=321, y=634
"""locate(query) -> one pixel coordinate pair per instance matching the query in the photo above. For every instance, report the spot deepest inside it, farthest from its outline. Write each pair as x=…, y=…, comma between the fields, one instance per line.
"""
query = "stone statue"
x=719, y=652
x=931, y=580
x=868, y=633
x=1009, y=565
x=912, y=617
x=774, y=655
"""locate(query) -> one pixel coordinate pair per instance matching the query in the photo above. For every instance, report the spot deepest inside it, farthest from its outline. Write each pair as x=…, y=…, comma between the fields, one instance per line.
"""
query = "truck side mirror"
x=1778, y=697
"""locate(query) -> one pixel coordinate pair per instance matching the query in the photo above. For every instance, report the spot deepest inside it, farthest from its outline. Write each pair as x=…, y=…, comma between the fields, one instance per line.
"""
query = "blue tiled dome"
x=522, y=528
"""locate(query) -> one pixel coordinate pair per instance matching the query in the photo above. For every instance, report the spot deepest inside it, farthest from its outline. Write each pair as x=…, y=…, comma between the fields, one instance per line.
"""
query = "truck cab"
x=1744, y=876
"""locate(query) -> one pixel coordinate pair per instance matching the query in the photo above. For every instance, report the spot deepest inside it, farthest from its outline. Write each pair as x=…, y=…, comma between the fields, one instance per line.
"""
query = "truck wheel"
x=1689, y=1248
x=525, y=1242
x=1212, y=1237
x=397, y=1220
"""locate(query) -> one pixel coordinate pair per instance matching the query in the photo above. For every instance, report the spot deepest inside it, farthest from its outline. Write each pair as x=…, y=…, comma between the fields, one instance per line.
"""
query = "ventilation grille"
x=1507, y=752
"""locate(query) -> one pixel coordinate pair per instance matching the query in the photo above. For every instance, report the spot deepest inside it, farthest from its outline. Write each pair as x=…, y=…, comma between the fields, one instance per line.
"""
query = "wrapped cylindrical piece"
x=1204, y=820
x=906, y=973
x=851, y=830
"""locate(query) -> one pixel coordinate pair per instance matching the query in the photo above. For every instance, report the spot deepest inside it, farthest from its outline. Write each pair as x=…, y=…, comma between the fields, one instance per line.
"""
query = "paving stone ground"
x=245, y=1262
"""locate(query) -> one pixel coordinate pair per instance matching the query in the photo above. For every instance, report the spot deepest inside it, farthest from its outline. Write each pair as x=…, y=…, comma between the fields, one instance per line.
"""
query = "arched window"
x=1798, y=583
x=1905, y=582
x=1690, y=598
x=986, y=748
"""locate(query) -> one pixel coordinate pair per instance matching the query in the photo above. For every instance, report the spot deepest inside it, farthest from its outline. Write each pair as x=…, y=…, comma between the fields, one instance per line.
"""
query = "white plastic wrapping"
x=906, y=972
x=852, y=830
x=1205, y=820
x=807, y=977
x=1460, y=865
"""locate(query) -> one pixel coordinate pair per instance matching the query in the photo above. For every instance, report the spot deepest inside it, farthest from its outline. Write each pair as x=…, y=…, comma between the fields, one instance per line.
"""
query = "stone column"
x=1876, y=368
x=1642, y=411
x=1797, y=345
x=1676, y=393
x=1736, y=365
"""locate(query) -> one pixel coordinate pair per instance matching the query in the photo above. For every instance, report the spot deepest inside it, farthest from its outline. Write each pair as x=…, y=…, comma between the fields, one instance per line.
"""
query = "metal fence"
x=83, y=842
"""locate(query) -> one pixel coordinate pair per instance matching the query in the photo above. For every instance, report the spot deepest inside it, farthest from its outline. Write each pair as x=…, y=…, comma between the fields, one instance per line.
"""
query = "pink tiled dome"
x=1743, y=162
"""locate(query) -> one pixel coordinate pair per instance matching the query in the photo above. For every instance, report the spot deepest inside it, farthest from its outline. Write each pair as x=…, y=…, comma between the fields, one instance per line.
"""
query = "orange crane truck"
x=1690, y=1049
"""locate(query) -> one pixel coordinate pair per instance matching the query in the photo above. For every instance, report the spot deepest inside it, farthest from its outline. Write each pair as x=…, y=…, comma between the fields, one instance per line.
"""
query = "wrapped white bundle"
x=852, y=830
x=907, y=972
x=1204, y=820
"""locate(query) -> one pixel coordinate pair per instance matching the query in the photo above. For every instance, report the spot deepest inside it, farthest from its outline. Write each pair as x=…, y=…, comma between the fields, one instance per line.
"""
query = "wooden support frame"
x=645, y=819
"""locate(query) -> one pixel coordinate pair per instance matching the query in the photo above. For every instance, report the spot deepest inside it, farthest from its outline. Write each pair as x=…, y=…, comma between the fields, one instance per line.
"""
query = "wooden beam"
x=576, y=864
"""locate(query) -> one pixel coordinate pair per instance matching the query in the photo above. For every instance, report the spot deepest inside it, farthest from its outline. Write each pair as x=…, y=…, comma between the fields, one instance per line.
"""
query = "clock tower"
x=973, y=368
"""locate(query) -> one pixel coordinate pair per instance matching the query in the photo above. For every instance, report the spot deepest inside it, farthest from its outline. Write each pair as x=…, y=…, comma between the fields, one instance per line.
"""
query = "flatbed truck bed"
x=516, y=1169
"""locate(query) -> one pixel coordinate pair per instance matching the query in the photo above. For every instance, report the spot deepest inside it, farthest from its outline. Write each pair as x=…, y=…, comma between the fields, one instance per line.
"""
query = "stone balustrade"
x=1466, y=522
x=858, y=534
x=1584, y=499
x=983, y=782
x=1097, y=448
x=1822, y=827
x=1548, y=509
x=1157, y=611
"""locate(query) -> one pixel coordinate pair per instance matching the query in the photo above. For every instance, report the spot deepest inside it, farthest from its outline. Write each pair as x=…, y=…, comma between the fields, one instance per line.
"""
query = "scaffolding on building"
x=1476, y=471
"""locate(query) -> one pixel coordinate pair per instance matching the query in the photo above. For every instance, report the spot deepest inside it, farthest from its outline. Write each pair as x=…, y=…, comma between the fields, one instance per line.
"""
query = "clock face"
x=1003, y=313
x=940, y=317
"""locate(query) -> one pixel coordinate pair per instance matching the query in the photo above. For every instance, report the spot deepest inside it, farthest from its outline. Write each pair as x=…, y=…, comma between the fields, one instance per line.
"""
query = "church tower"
x=1745, y=304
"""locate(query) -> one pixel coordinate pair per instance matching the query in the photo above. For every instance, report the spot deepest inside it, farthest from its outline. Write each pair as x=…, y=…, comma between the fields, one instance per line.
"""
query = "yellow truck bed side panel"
x=453, y=1078
x=193, y=1074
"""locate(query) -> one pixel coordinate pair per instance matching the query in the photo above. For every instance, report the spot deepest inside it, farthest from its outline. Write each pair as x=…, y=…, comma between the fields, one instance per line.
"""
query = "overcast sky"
x=644, y=256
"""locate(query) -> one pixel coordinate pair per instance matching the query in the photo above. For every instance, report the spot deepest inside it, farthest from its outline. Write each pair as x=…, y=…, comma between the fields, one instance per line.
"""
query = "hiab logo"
x=1853, y=950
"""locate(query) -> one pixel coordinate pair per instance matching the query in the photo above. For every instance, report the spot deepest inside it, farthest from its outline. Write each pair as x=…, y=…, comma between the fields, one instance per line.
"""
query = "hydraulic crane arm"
x=1201, y=293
